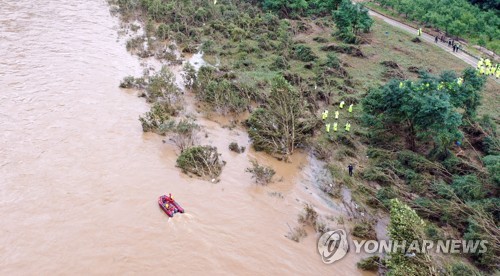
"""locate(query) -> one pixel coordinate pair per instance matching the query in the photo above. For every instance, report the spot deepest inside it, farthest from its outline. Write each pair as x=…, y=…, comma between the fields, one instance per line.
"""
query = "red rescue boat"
x=169, y=205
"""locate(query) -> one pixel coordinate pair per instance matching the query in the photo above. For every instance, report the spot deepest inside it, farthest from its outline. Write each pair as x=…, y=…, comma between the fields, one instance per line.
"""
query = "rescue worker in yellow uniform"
x=480, y=63
x=342, y=104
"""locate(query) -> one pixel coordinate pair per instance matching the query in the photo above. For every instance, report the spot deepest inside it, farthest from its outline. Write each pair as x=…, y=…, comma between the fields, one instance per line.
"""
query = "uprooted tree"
x=283, y=124
x=202, y=161
x=406, y=226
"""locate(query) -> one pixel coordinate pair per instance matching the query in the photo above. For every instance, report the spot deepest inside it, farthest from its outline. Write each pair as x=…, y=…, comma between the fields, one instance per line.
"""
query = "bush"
x=304, y=53
x=468, y=187
x=219, y=90
x=131, y=82
x=162, y=86
x=377, y=174
x=476, y=231
x=385, y=194
x=155, y=119
x=332, y=61
x=364, y=230
x=280, y=63
x=233, y=146
x=463, y=269
x=202, y=161
x=296, y=234
x=492, y=163
x=369, y=264
x=162, y=31
x=262, y=174
x=309, y=216
x=183, y=133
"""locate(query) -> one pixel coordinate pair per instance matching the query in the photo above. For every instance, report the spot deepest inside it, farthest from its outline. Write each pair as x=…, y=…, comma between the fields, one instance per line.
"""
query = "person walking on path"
x=350, y=168
x=436, y=39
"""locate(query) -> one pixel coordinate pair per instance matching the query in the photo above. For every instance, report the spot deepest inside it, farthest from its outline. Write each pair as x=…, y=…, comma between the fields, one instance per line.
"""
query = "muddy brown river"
x=79, y=181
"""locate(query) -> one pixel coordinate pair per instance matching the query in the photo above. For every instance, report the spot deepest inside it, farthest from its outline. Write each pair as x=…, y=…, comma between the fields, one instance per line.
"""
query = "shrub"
x=208, y=47
x=332, y=61
x=463, y=269
x=233, y=146
x=219, y=90
x=162, y=86
x=492, y=163
x=468, y=187
x=189, y=74
x=280, y=63
x=296, y=234
x=262, y=174
x=476, y=231
x=155, y=119
x=202, y=161
x=183, y=133
x=304, y=53
x=162, y=31
x=385, y=194
x=309, y=216
x=131, y=82
x=364, y=230
x=369, y=264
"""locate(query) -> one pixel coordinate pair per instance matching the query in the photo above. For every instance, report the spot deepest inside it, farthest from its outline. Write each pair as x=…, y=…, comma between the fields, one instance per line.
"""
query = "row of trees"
x=456, y=17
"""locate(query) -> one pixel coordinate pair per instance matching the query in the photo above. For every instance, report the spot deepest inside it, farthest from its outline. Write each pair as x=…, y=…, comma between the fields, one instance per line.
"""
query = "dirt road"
x=472, y=61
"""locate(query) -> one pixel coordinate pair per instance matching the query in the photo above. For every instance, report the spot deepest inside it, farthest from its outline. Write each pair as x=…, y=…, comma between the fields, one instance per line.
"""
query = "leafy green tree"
x=466, y=95
x=351, y=19
x=418, y=110
x=283, y=124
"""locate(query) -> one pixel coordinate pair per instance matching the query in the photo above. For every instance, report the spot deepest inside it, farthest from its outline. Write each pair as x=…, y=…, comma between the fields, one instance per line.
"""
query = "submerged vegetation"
x=283, y=123
x=423, y=146
x=262, y=174
x=202, y=161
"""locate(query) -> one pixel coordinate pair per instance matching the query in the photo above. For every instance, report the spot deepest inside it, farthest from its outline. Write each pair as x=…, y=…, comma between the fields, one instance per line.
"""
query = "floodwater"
x=79, y=180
